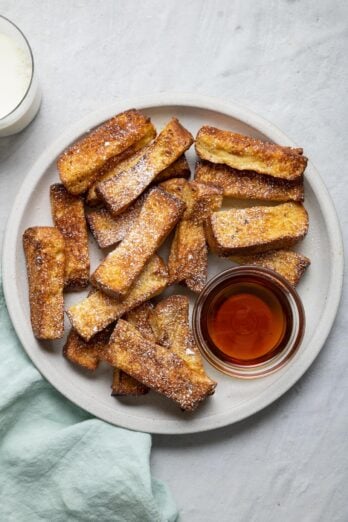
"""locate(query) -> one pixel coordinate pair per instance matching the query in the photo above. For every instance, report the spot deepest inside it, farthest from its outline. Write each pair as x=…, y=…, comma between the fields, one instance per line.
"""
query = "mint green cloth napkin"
x=57, y=463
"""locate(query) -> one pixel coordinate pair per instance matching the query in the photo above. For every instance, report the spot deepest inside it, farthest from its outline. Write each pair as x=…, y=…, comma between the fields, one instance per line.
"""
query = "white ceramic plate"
x=234, y=399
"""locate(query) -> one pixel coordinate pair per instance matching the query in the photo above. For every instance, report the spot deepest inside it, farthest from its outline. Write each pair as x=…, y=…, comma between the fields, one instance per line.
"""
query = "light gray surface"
x=286, y=61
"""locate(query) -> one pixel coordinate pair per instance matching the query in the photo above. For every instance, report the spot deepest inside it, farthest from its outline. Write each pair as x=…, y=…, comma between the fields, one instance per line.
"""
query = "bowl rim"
x=278, y=361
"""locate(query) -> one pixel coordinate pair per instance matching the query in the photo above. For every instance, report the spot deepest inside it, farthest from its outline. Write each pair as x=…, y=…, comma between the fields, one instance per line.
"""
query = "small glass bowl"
x=277, y=285
x=26, y=109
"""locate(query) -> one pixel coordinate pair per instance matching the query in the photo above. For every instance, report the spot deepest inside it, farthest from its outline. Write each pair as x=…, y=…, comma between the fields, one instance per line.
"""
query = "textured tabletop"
x=285, y=60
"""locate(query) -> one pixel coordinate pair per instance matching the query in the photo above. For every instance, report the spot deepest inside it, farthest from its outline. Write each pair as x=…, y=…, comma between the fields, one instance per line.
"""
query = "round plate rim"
x=271, y=393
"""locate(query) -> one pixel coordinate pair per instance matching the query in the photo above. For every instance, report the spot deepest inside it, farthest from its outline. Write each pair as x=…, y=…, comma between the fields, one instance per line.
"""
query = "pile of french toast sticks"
x=131, y=187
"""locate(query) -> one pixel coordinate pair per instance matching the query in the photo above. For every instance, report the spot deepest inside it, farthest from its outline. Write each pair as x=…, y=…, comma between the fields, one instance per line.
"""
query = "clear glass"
x=275, y=283
x=26, y=109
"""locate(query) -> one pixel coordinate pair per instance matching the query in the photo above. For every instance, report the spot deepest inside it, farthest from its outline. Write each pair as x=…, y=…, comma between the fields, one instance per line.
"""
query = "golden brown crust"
x=96, y=312
x=247, y=153
x=159, y=214
x=287, y=263
x=156, y=367
x=79, y=166
x=181, y=188
x=124, y=385
x=201, y=199
x=109, y=230
x=114, y=168
x=243, y=184
x=198, y=280
x=86, y=354
x=69, y=217
x=188, y=258
x=140, y=318
x=121, y=190
x=178, y=169
x=45, y=259
x=170, y=324
x=256, y=229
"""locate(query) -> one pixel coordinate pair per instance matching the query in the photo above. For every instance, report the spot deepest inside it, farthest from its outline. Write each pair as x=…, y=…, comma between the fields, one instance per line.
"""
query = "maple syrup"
x=248, y=321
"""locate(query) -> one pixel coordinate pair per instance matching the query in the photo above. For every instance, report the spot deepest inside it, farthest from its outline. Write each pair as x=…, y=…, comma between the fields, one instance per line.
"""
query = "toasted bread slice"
x=159, y=214
x=69, y=217
x=256, y=229
x=247, y=184
x=188, y=258
x=197, y=281
x=170, y=324
x=121, y=190
x=140, y=317
x=96, y=312
x=201, y=199
x=86, y=354
x=92, y=198
x=287, y=263
x=109, y=230
x=115, y=165
x=124, y=384
x=178, y=169
x=79, y=166
x=246, y=153
x=45, y=258
x=181, y=188
x=156, y=367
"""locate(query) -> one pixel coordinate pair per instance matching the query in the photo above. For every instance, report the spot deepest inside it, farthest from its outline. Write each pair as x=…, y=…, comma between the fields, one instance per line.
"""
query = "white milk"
x=20, y=95
x=15, y=74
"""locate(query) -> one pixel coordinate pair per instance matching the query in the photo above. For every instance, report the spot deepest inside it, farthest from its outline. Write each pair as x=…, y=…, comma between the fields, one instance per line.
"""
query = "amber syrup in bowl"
x=248, y=321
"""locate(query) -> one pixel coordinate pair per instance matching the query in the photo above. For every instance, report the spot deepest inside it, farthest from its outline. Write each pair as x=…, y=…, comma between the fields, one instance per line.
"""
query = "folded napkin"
x=57, y=463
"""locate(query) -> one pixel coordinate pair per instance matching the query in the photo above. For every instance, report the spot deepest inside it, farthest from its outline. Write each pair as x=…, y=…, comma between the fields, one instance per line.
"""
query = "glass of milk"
x=20, y=95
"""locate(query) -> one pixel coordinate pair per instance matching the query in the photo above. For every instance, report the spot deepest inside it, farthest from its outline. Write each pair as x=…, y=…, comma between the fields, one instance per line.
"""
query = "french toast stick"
x=97, y=311
x=188, y=257
x=88, y=355
x=45, y=259
x=140, y=317
x=92, y=198
x=201, y=199
x=170, y=324
x=256, y=229
x=123, y=384
x=121, y=190
x=69, y=217
x=79, y=166
x=158, y=216
x=247, y=184
x=247, y=153
x=178, y=169
x=107, y=229
x=157, y=367
x=83, y=353
x=287, y=263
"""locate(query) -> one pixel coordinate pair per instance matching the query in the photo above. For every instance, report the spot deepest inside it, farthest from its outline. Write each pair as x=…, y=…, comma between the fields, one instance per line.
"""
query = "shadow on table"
x=237, y=429
x=11, y=144
x=225, y=433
